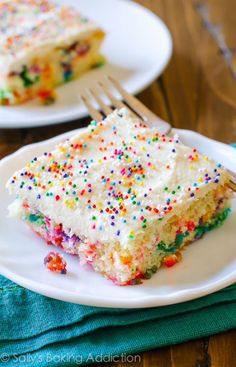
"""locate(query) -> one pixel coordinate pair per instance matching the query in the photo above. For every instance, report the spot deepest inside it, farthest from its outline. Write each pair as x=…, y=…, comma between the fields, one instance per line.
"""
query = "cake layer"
x=41, y=46
x=120, y=265
x=123, y=189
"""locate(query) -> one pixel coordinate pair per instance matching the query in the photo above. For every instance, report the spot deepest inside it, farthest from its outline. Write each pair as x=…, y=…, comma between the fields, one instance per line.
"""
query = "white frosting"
x=119, y=164
x=31, y=28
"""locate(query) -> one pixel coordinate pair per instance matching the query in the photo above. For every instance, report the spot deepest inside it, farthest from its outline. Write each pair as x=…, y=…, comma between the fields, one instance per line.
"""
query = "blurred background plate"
x=138, y=47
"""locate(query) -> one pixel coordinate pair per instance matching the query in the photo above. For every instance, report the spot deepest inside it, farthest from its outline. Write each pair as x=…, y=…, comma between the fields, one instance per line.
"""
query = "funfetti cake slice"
x=43, y=45
x=121, y=197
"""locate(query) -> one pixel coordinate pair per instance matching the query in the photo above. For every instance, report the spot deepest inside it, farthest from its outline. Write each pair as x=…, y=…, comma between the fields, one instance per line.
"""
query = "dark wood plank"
x=160, y=357
x=198, y=86
x=191, y=354
x=222, y=349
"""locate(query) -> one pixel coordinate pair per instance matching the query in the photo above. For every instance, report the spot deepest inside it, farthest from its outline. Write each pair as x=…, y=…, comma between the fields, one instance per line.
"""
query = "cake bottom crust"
x=129, y=267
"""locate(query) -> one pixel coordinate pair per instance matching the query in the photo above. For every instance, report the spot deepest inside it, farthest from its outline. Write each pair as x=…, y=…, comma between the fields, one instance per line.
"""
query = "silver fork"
x=134, y=105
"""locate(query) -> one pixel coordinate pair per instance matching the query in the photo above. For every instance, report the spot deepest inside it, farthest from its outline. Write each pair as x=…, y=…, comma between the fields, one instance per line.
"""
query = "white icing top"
x=32, y=27
x=116, y=179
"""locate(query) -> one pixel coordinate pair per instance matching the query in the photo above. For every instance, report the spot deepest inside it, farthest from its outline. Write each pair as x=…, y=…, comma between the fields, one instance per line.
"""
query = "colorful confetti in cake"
x=121, y=197
x=43, y=45
x=55, y=263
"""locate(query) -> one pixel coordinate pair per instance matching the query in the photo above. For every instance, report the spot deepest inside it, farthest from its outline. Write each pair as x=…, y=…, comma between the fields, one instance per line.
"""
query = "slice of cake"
x=41, y=46
x=121, y=197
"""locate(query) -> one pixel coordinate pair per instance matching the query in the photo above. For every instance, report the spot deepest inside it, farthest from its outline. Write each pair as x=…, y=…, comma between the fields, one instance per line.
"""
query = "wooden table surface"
x=197, y=91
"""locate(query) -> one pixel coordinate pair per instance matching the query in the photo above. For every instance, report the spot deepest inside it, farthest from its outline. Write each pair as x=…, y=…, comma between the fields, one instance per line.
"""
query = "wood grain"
x=197, y=91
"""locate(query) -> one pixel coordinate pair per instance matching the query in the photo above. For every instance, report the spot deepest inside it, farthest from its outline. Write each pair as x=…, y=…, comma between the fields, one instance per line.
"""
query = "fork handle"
x=149, y=117
x=141, y=110
x=232, y=185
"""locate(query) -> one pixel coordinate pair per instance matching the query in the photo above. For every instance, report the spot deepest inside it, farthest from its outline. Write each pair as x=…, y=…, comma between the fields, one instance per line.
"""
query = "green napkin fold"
x=41, y=331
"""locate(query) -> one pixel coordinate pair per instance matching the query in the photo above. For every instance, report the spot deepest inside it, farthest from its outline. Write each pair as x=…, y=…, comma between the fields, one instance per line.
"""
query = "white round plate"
x=207, y=266
x=137, y=47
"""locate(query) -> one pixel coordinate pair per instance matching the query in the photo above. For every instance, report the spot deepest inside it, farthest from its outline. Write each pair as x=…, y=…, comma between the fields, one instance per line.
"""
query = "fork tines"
x=127, y=100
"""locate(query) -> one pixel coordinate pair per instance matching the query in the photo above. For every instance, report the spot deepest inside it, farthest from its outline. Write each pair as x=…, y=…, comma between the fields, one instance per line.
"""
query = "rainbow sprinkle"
x=124, y=173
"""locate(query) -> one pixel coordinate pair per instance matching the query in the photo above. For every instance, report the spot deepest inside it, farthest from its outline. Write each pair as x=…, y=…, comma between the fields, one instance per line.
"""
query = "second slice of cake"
x=121, y=197
x=43, y=45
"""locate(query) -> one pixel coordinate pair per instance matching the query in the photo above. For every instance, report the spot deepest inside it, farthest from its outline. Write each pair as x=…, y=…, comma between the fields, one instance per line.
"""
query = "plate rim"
x=178, y=296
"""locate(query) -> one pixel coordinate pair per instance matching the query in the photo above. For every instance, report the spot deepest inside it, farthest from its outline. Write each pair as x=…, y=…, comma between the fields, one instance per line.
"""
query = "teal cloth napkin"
x=40, y=331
